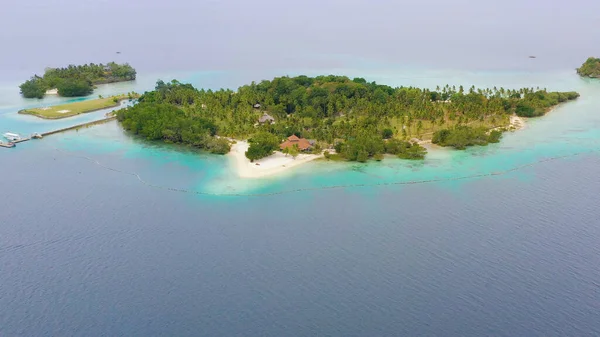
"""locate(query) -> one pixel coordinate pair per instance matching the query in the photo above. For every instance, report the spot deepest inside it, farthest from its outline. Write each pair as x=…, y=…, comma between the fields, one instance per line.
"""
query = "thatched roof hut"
x=266, y=118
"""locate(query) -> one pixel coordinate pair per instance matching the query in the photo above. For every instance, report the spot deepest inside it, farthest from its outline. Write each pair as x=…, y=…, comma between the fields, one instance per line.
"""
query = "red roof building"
x=303, y=144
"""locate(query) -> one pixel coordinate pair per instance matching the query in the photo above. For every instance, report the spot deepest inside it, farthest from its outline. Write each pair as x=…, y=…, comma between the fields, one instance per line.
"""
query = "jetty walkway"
x=107, y=119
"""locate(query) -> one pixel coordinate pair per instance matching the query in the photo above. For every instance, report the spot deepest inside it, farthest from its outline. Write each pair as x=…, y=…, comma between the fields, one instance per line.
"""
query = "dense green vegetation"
x=33, y=88
x=591, y=68
x=404, y=149
x=75, y=81
x=461, y=137
x=361, y=119
x=543, y=102
x=361, y=148
x=365, y=146
x=262, y=144
x=163, y=121
x=74, y=88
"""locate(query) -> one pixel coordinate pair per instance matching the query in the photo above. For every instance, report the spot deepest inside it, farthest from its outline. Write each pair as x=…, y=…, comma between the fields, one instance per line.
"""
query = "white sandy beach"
x=516, y=123
x=272, y=165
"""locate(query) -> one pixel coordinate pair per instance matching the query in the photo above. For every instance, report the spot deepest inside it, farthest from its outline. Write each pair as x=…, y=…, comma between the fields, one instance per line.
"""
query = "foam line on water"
x=410, y=182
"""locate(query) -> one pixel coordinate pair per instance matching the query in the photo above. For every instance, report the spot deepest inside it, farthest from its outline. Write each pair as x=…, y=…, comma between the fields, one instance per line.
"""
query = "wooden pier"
x=107, y=119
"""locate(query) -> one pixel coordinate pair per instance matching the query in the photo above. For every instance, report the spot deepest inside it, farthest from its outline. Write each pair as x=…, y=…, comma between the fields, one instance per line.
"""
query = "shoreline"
x=275, y=164
x=516, y=123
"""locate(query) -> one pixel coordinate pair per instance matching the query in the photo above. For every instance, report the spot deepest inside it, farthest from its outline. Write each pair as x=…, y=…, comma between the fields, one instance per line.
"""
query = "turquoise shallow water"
x=106, y=234
x=569, y=130
x=379, y=249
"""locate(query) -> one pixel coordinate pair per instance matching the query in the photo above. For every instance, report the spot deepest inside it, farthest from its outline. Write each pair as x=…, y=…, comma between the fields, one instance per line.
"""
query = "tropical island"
x=76, y=81
x=331, y=116
x=76, y=108
x=591, y=68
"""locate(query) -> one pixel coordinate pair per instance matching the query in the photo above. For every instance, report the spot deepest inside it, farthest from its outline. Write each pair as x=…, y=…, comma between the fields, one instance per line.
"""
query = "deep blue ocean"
x=104, y=234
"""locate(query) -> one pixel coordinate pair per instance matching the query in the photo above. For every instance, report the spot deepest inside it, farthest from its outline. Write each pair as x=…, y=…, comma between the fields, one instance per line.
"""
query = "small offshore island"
x=76, y=81
x=591, y=68
x=292, y=120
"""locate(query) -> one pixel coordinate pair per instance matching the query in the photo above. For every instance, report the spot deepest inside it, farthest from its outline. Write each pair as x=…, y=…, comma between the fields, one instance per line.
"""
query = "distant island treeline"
x=590, y=68
x=75, y=81
x=357, y=118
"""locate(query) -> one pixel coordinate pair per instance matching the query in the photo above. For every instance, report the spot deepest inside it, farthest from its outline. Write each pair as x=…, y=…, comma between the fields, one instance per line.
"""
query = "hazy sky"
x=237, y=34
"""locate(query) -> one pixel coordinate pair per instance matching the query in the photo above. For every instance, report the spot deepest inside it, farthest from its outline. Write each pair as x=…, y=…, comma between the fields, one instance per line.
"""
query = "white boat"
x=12, y=136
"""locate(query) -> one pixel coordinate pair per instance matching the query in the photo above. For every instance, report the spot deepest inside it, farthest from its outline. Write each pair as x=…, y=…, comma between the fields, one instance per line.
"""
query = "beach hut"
x=266, y=118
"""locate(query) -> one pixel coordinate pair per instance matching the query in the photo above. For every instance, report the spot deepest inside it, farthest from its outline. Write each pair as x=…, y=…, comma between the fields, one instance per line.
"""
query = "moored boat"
x=12, y=136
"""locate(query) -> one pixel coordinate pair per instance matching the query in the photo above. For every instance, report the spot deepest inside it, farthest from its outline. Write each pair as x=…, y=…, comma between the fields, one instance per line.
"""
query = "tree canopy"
x=405, y=149
x=76, y=80
x=262, y=145
x=162, y=121
x=537, y=103
x=591, y=68
x=461, y=137
x=74, y=88
x=356, y=116
x=33, y=88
